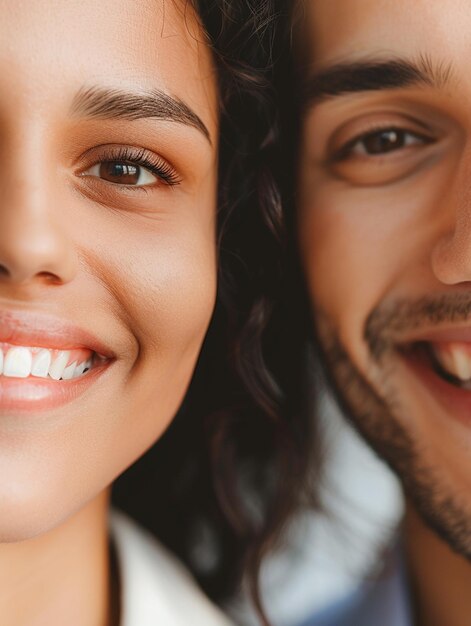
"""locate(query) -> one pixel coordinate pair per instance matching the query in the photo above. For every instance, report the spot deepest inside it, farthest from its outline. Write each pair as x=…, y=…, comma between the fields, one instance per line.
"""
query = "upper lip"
x=47, y=331
x=455, y=334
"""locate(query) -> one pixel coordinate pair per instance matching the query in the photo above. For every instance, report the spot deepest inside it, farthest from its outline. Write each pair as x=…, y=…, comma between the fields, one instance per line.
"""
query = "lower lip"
x=33, y=395
x=455, y=401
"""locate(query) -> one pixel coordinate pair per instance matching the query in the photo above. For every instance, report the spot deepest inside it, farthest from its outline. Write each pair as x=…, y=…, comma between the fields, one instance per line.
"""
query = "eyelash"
x=141, y=157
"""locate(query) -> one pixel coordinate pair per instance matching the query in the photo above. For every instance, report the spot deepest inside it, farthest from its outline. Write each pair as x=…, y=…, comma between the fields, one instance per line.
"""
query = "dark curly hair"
x=219, y=486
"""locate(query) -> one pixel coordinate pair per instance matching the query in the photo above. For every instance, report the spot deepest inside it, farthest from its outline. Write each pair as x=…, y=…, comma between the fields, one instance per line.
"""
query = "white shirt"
x=156, y=590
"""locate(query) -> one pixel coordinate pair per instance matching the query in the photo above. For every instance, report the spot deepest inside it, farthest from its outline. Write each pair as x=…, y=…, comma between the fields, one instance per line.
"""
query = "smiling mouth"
x=444, y=369
x=450, y=361
x=45, y=363
x=36, y=362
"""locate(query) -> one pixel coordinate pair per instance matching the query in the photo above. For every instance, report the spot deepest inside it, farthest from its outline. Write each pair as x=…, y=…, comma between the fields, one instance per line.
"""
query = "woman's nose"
x=34, y=244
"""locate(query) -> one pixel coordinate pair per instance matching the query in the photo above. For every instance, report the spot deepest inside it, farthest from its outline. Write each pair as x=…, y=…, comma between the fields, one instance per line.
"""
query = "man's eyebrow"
x=103, y=103
x=371, y=75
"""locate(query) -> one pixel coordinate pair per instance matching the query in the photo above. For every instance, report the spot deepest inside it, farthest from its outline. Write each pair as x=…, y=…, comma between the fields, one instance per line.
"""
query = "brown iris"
x=120, y=172
x=384, y=141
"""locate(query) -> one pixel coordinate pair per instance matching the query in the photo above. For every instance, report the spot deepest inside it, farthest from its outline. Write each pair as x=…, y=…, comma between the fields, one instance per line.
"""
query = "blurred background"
x=327, y=555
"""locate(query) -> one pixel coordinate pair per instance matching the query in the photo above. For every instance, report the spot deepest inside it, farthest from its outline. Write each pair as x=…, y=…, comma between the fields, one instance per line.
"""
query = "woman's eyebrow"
x=372, y=75
x=104, y=103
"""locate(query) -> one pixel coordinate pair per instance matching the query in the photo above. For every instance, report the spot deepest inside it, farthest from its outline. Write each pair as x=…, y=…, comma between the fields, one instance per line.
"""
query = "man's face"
x=385, y=233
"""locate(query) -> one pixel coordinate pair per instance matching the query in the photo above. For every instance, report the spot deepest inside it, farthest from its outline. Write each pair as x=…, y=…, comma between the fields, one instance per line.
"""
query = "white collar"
x=156, y=590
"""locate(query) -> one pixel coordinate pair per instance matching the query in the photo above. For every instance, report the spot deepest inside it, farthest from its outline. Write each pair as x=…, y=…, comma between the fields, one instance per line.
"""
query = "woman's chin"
x=27, y=513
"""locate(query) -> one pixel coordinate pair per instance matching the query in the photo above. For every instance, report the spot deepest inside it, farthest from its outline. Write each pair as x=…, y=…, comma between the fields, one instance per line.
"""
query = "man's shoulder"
x=350, y=611
x=383, y=600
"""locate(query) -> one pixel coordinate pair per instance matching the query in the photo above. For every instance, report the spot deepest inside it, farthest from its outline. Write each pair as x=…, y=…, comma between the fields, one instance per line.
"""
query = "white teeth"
x=22, y=362
x=79, y=369
x=455, y=360
x=18, y=362
x=41, y=364
x=447, y=361
x=462, y=365
x=58, y=365
x=69, y=371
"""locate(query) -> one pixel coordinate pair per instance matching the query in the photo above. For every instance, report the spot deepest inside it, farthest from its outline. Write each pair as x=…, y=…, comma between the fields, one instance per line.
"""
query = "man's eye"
x=381, y=142
x=122, y=173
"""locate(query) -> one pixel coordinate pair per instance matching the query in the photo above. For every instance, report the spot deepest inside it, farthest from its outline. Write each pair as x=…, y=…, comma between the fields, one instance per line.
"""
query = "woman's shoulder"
x=155, y=587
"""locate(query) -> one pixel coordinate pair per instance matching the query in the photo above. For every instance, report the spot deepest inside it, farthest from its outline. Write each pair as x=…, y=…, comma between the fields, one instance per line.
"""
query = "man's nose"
x=34, y=245
x=451, y=253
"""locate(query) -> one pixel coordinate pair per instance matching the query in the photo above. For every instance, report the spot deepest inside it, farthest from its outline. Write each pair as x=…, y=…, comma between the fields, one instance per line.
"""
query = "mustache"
x=388, y=322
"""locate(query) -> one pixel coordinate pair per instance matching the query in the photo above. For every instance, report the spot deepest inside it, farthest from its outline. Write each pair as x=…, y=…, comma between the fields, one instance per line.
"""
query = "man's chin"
x=373, y=413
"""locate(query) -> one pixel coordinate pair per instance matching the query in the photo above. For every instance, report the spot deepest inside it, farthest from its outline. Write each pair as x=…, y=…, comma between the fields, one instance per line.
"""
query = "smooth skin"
x=134, y=264
x=385, y=223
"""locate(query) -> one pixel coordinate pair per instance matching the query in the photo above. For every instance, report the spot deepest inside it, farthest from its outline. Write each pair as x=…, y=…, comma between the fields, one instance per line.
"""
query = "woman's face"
x=108, y=152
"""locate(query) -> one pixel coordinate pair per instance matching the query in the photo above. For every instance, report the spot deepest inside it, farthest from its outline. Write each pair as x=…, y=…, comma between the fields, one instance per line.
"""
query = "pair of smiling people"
x=140, y=228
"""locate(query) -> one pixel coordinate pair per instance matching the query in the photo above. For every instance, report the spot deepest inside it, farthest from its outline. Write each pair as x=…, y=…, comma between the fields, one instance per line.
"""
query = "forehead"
x=50, y=48
x=340, y=30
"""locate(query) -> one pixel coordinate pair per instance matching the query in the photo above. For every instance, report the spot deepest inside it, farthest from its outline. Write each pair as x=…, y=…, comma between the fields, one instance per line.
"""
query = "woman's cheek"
x=168, y=291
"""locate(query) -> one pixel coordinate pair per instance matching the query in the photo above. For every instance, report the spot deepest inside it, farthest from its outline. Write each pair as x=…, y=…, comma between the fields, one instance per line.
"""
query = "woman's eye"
x=122, y=173
x=382, y=142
